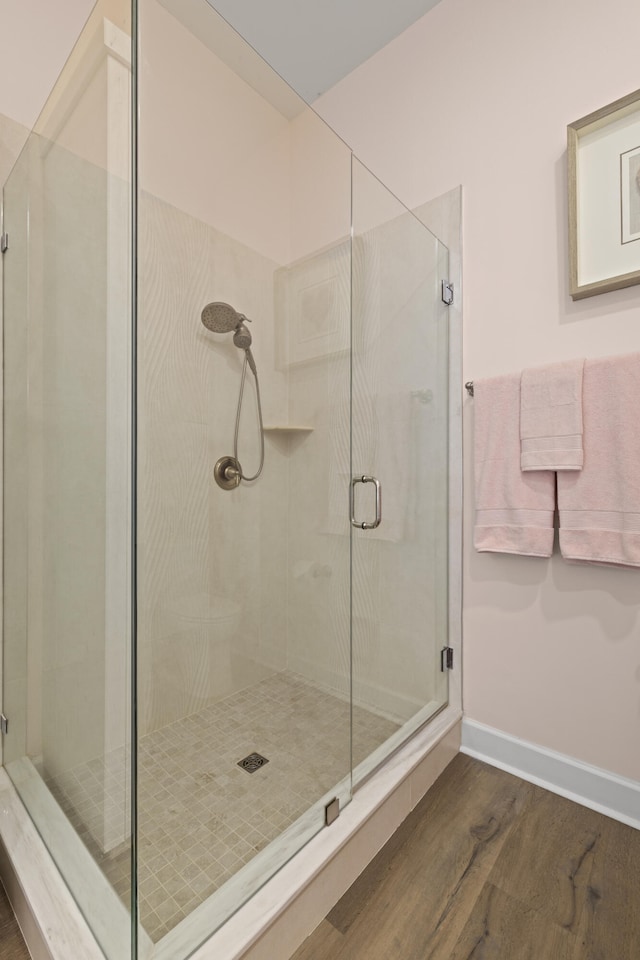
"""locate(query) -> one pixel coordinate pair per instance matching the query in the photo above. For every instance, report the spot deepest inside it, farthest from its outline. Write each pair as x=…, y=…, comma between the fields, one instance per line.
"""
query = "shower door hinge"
x=4, y=724
x=446, y=658
x=332, y=811
x=447, y=292
x=4, y=242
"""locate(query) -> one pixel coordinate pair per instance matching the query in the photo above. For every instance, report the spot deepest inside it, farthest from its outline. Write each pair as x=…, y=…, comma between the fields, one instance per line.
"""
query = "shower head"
x=221, y=317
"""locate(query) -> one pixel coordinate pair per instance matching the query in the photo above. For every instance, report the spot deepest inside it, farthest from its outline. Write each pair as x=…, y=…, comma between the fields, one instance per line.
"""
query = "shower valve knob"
x=227, y=473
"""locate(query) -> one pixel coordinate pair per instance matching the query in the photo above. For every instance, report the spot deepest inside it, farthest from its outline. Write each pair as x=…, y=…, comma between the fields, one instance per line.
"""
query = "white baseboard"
x=590, y=786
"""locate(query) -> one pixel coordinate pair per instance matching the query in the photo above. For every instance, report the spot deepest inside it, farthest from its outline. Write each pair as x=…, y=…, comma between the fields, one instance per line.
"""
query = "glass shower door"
x=400, y=472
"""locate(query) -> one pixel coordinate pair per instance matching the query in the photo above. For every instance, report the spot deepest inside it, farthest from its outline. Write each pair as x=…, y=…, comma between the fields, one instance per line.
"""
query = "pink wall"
x=35, y=40
x=480, y=93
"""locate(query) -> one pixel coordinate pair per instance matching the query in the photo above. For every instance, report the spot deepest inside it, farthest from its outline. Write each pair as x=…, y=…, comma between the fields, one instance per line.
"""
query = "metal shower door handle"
x=362, y=524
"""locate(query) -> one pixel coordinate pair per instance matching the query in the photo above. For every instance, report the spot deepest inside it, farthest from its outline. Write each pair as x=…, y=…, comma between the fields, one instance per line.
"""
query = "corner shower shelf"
x=287, y=438
x=286, y=431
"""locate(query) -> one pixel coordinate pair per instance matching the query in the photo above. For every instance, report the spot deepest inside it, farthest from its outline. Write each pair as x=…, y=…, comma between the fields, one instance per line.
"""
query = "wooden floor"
x=489, y=867
x=12, y=946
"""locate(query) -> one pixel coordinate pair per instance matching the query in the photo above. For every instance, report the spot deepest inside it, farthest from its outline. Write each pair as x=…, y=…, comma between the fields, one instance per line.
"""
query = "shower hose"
x=239, y=410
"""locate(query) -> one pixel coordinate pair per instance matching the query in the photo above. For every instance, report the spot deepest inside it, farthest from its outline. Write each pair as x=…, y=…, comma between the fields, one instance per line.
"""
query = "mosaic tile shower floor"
x=201, y=817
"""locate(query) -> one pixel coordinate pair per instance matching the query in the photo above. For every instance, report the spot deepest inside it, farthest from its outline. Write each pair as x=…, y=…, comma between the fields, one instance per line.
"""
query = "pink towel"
x=551, y=417
x=600, y=505
x=514, y=510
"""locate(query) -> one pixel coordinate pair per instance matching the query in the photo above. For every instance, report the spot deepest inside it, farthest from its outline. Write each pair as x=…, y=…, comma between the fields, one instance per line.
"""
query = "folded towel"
x=551, y=417
x=514, y=510
x=599, y=506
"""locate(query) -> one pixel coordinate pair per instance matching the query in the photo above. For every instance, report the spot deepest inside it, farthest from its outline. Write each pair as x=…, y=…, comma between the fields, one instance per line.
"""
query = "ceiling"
x=313, y=44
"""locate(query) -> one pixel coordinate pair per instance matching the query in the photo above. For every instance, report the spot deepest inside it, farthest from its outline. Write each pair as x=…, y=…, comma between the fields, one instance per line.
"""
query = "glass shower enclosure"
x=205, y=656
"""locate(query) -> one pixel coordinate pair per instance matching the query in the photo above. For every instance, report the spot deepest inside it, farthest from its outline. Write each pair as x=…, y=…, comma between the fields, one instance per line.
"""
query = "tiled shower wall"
x=200, y=546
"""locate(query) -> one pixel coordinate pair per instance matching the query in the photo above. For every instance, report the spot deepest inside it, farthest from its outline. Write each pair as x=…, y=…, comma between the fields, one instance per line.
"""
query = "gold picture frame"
x=603, y=158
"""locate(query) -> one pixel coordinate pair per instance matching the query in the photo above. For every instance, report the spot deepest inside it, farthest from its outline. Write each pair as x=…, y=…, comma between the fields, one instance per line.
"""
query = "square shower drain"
x=253, y=762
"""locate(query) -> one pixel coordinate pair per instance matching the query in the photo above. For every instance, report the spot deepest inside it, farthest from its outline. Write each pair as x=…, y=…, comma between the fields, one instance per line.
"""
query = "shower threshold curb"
x=280, y=916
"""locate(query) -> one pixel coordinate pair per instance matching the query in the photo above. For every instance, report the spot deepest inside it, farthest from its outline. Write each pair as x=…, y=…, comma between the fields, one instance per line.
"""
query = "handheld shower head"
x=221, y=317
x=242, y=337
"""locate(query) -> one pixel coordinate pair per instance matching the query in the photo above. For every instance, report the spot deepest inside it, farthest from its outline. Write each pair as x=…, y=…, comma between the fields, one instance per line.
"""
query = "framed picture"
x=312, y=300
x=630, y=194
x=603, y=153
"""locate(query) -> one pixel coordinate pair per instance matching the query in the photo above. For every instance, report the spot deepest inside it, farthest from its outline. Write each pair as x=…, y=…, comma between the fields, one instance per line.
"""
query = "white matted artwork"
x=603, y=152
x=312, y=301
x=630, y=194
